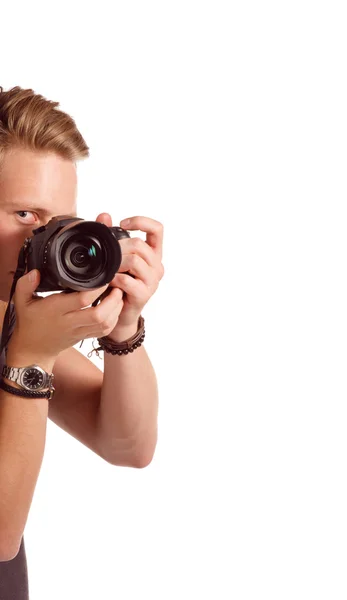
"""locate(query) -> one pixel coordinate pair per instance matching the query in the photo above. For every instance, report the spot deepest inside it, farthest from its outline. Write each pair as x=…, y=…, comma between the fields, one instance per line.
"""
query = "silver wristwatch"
x=32, y=378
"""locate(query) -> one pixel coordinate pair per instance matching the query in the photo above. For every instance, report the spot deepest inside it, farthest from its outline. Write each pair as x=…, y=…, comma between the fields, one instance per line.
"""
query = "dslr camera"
x=73, y=254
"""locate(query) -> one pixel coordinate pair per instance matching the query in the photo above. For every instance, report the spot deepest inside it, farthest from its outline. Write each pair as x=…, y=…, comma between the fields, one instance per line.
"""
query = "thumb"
x=104, y=218
x=27, y=284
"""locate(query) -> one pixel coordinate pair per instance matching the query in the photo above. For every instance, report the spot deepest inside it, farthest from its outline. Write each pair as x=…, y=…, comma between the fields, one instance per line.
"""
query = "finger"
x=73, y=301
x=135, y=289
x=97, y=329
x=154, y=231
x=96, y=318
x=138, y=267
x=104, y=218
x=138, y=246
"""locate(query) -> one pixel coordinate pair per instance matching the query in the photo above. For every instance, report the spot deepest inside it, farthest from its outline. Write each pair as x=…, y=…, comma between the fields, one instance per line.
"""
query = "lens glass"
x=82, y=256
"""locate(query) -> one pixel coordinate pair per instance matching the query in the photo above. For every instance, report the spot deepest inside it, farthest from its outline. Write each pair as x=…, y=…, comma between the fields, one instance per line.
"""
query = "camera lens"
x=83, y=256
x=80, y=256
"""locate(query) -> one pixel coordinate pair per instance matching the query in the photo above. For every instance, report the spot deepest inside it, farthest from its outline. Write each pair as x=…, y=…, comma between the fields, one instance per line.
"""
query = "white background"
x=226, y=121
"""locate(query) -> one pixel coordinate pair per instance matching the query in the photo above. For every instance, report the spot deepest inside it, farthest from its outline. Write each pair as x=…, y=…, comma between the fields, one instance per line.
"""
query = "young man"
x=114, y=413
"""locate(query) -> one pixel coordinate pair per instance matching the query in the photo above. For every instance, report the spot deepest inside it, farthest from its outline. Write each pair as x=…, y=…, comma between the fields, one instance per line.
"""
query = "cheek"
x=10, y=245
x=6, y=241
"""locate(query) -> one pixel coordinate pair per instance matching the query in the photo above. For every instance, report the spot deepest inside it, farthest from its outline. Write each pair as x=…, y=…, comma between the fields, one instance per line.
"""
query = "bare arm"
x=23, y=423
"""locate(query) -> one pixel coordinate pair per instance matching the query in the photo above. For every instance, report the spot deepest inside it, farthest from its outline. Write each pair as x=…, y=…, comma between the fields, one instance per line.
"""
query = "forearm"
x=23, y=423
x=128, y=411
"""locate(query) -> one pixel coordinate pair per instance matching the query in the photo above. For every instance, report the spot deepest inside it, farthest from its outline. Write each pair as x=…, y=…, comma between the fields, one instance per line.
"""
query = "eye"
x=24, y=212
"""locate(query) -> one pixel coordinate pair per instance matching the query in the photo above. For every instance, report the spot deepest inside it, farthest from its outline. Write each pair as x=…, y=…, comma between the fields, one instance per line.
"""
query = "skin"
x=49, y=182
x=30, y=179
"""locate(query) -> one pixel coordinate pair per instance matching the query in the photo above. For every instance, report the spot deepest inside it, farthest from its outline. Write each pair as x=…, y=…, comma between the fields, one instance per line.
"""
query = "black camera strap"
x=21, y=268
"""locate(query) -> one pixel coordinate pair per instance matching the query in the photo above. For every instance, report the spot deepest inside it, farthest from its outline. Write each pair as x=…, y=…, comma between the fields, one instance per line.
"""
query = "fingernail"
x=32, y=275
x=125, y=222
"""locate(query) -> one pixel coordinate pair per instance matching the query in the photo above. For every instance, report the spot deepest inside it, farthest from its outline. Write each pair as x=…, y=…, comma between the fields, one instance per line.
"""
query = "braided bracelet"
x=27, y=393
x=129, y=345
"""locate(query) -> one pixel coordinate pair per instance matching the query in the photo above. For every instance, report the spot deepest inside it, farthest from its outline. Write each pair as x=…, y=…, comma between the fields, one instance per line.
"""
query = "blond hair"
x=30, y=121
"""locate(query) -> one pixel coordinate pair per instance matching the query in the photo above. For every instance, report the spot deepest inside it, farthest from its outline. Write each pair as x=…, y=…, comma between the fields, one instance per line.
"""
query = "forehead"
x=40, y=181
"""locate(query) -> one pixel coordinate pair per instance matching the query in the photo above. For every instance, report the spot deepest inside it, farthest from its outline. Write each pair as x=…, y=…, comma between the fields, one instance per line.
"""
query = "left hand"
x=143, y=260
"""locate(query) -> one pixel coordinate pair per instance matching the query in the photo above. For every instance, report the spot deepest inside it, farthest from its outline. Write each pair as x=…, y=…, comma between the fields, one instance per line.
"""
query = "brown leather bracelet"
x=129, y=345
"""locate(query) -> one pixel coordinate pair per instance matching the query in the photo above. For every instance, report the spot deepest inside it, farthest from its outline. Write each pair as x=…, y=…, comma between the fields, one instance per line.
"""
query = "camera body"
x=73, y=254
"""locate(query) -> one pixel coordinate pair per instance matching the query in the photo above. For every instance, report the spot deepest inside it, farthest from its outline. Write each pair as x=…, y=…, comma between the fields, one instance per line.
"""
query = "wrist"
x=18, y=357
x=123, y=332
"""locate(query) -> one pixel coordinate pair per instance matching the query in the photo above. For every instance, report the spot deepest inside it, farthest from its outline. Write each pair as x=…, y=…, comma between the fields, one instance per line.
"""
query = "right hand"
x=47, y=326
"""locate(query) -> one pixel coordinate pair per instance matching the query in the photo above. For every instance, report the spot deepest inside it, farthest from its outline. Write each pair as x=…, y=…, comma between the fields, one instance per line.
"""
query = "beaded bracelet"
x=129, y=345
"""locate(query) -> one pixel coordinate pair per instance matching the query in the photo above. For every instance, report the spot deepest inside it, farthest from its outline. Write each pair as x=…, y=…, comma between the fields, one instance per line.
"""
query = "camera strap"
x=21, y=268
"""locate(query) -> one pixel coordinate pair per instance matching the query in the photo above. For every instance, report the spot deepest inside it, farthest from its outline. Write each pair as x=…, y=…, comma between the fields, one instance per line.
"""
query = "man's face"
x=34, y=187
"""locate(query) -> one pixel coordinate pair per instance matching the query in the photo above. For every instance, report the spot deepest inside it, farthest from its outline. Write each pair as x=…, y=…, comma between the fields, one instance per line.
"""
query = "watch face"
x=33, y=378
